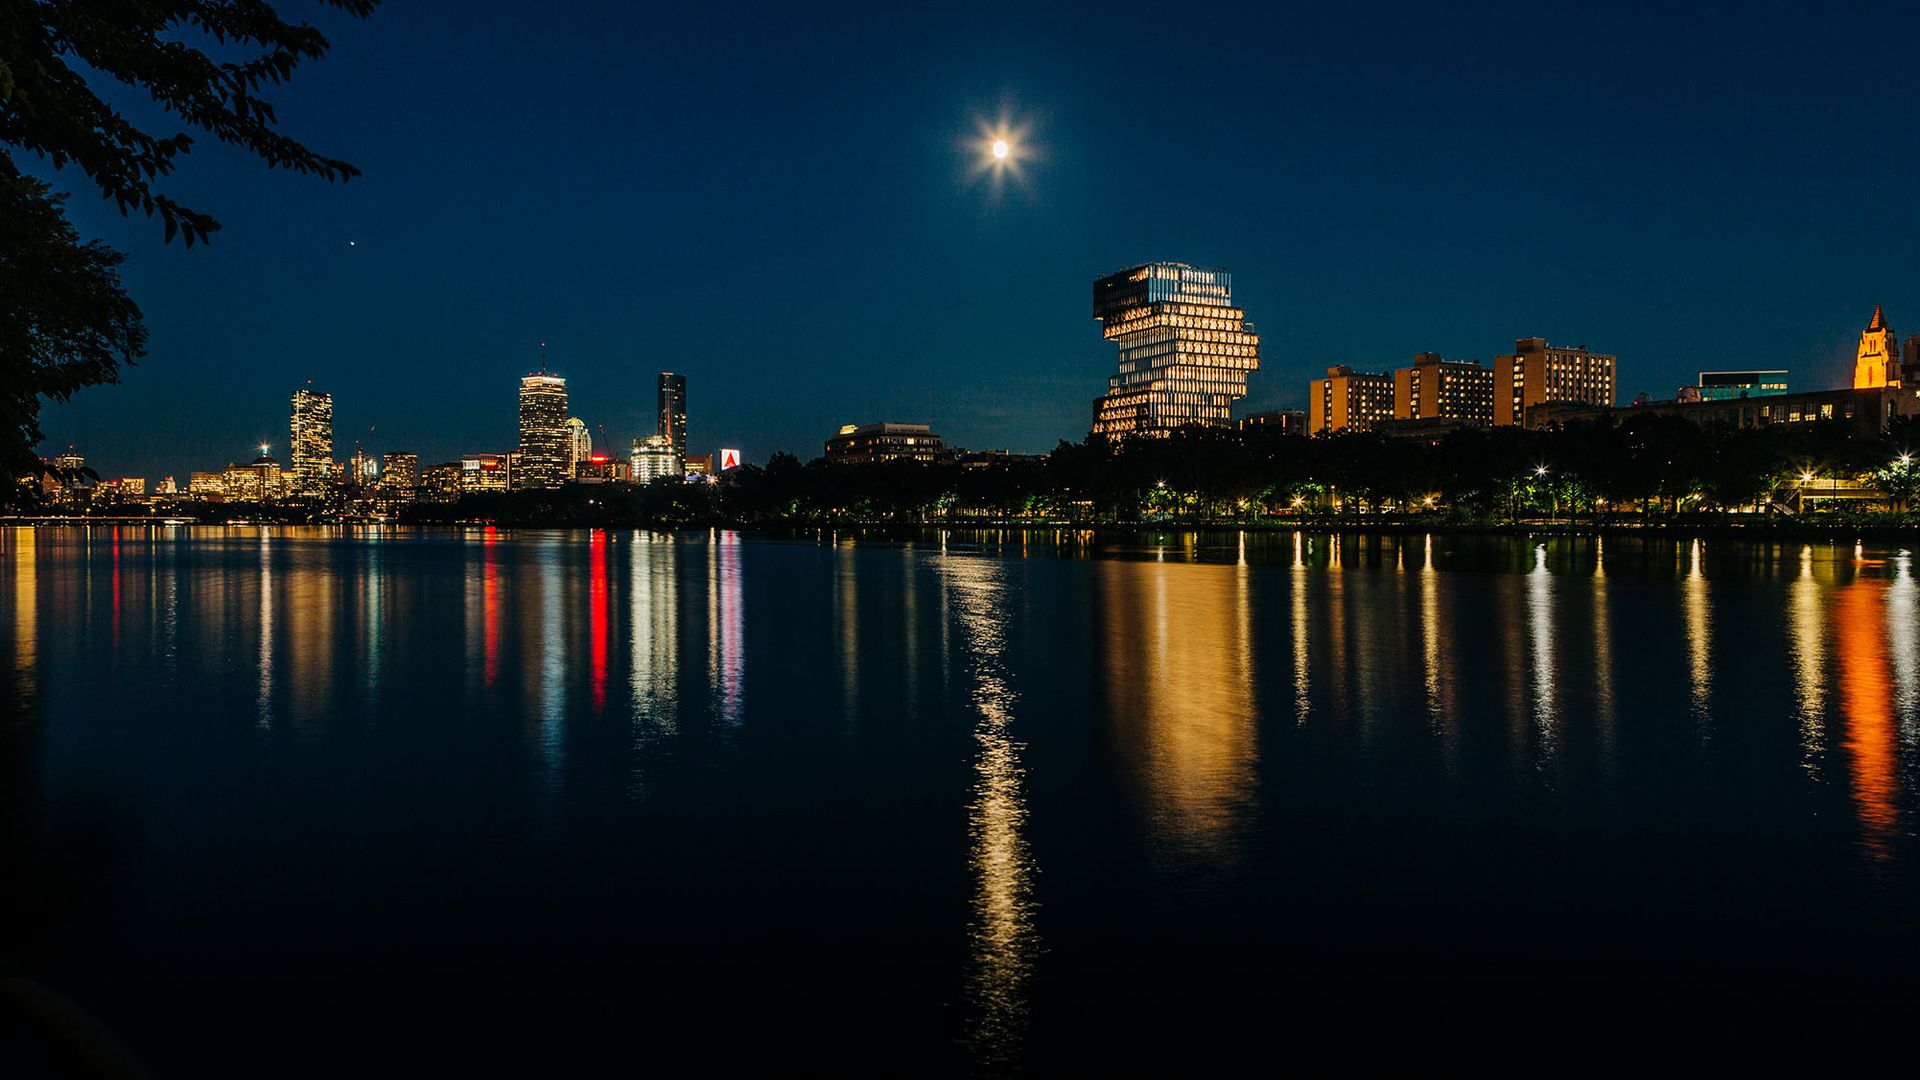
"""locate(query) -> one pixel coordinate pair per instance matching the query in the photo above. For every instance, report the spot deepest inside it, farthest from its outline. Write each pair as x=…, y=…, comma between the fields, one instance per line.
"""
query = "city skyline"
x=1640, y=207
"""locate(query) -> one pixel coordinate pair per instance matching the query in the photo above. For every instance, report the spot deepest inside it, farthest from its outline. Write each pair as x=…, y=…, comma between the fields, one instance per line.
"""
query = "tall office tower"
x=1185, y=350
x=1537, y=373
x=1444, y=390
x=579, y=445
x=545, y=447
x=312, y=446
x=1348, y=400
x=1878, y=361
x=400, y=472
x=362, y=468
x=673, y=411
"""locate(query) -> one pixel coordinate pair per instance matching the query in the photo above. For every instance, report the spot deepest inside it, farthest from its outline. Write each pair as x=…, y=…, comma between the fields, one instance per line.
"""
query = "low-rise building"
x=1283, y=421
x=653, y=457
x=887, y=441
x=1734, y=385
x=211, y=486
x=1870, y=412
x=485, y=472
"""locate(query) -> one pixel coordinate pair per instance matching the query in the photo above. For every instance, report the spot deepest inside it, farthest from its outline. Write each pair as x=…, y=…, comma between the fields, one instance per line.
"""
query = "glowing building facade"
x=1734, y=385
x=546, y=450
x=883, y=442
x=1538, y=373
x=1348, y=400
x=579, y=445
x=1436, y=389
x=1185, y=350
x=654, y=457
x=1877, y=363
x=485, y=472
x=312, y=443
x=673, y=411
x=400, y=472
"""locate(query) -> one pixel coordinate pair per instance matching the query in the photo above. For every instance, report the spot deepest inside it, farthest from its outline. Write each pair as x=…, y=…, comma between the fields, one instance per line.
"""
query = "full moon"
x=1000, y=149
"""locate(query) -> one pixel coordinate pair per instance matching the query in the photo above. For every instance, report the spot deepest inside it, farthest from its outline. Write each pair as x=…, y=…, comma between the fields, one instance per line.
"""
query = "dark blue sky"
x=776, y=202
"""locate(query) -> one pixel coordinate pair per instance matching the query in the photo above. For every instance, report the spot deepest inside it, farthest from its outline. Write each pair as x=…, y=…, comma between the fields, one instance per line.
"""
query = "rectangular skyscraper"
x=545, y=445
x=1185, y=350
x=673, y=411
x=311, y=449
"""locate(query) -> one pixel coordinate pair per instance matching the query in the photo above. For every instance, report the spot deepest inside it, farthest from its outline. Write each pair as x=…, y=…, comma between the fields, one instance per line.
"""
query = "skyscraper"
x=1185, y=350
x=545, y=448
x=312, y=445
x=579, y=445
x=673, y=410
x=400, y=471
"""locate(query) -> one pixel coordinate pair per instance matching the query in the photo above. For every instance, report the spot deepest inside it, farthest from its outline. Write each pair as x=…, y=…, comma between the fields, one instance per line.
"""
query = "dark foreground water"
x=284, y=800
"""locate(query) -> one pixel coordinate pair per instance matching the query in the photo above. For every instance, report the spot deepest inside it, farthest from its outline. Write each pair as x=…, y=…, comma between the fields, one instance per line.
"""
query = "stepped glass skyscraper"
x=673, y=410
x=1185, y=350
x=546, y=447
x=311, y=448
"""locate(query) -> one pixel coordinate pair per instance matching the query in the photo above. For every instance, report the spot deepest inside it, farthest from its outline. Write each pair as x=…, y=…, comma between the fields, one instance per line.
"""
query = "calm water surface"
x=279, y=799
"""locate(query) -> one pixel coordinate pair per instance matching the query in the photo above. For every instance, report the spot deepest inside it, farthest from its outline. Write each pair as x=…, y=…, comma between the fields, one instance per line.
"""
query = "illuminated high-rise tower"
x=1185, y=350
x=579, y=445
x=312, y=445
x=1878, y=361
x=545, y=447
x=673, y=410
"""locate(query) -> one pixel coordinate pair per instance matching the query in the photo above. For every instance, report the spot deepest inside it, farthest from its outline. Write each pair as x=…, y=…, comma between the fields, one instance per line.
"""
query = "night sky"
x=778, y=203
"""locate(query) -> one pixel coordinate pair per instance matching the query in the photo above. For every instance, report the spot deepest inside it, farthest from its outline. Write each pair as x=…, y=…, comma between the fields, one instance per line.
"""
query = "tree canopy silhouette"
x=67, y=322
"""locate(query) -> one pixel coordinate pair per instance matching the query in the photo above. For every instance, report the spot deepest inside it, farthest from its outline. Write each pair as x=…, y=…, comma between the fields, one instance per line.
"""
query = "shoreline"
x=1793, y=530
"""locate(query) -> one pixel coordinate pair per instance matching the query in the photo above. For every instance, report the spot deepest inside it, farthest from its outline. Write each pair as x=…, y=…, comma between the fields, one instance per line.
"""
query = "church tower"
x=1878, y=362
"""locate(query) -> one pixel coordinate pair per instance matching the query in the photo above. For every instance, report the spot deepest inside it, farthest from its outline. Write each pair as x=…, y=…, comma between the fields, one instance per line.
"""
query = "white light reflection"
x=1302, y=696
x=1540, y=642
x=264, y=706
x=1602, y=651
x=1002, y=938
x=1807, y=613
x=653, y=658
x=553, y=669
x=727, y=668
x=1438, y=715
x=1699, y=636
x=1903, y=637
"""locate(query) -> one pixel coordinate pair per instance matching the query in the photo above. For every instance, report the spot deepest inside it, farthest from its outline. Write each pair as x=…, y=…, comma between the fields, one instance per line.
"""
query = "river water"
x=283, y=799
